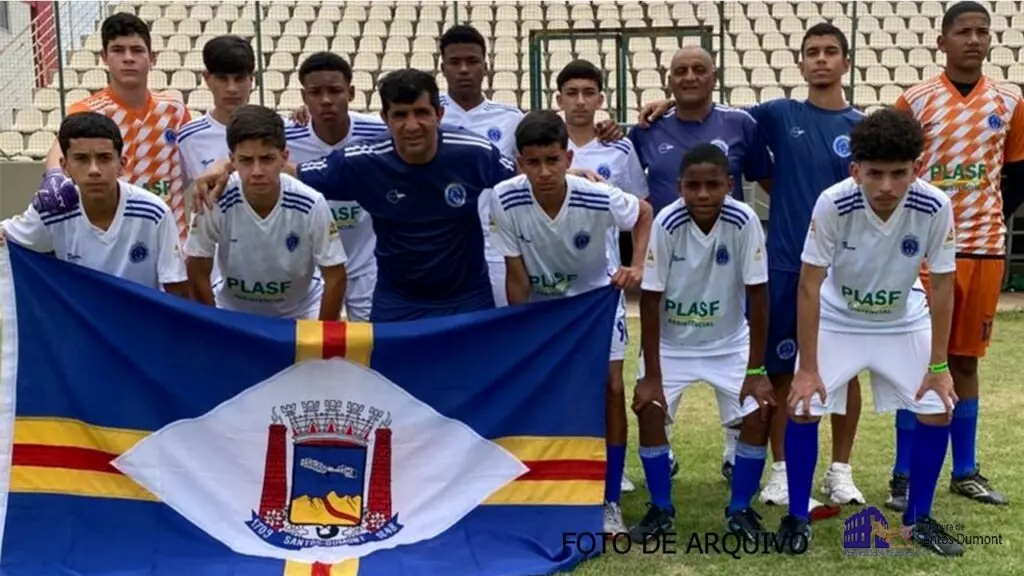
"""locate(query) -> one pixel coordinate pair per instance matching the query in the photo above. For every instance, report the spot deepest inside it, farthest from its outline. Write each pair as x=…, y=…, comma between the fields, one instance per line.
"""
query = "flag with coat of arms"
x=144, y=434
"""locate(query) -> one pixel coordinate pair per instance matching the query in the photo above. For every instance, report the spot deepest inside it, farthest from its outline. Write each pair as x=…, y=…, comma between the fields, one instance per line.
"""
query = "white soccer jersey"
x=354, y=224
x=703, y=278
x=564, y=256
x=202, y=142
x=141, y=244
x=873, y=265
x=269, y=266
x=618, y=163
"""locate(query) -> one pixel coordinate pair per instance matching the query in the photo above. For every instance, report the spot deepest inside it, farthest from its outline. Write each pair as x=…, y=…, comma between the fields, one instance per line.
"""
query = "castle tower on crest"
x=275, y=475
x=378, y=505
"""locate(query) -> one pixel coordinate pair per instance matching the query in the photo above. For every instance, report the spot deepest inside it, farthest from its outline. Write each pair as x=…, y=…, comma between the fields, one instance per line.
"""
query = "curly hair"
x=887, y=135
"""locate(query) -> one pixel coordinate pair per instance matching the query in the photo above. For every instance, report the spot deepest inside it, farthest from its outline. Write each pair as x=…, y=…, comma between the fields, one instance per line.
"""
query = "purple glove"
x=57, y=194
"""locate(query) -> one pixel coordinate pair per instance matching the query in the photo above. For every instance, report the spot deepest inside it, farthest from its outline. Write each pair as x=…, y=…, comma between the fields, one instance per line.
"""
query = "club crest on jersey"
x=335, y=498
x=722, y=256
x=138, y=253
x=455, y=195
x=170, y=136
x=910, y=245
x=841, y=146
x=786, y=349
x=291, y=242
x=995, y=122
x=581, y=240
x=604, y=171
x=721, y=145
x=494, y=134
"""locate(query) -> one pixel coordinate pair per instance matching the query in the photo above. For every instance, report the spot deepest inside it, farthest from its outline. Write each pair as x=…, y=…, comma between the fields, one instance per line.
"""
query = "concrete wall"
x=18, y=182
x=17, y=76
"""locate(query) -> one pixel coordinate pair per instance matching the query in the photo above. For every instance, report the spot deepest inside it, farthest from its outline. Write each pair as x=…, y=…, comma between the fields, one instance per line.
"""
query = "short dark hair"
x=254, y=122
x=325, y=62
x=580, y=70
x=541, y=128
x=827, y=29
x=124, y=24
x=704, y=153
x=463, y=34
x=89, y=125
x=887, y=135
x=406, y=86
x=229, y=55
x=959, y=9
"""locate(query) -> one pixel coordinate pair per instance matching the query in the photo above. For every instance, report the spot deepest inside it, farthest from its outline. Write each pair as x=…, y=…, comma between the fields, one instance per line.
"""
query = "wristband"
x=938, y=368
x=757, y=371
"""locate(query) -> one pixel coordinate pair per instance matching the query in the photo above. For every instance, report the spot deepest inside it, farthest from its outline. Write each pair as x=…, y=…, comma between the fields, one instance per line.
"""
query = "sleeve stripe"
x=58, y=218
x=143, y=215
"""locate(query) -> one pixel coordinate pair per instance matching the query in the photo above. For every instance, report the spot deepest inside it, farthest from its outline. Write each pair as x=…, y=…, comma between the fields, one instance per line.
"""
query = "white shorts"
x=496, y=270
x=897, y=362
x=620, y=333
x=359, y=296
x=725, y=373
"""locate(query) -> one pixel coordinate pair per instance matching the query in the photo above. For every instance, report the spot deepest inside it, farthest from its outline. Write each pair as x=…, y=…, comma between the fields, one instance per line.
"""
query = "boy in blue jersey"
x=420, y=186
x=810, y=143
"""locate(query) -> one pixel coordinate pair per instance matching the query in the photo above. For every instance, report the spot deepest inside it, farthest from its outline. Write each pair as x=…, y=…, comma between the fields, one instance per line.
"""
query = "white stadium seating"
x=894, y=47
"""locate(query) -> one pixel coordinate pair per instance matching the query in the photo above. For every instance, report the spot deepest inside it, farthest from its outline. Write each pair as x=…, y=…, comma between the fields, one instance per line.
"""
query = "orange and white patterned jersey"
x=967, y=140
x=150, y=144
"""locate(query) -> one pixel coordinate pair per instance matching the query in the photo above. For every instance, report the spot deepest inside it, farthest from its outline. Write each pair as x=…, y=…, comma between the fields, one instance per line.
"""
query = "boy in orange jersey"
x=149, y=121
x=974, y=145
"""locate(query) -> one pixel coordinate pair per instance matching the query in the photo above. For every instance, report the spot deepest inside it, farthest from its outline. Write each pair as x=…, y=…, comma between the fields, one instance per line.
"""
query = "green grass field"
x=700, y=492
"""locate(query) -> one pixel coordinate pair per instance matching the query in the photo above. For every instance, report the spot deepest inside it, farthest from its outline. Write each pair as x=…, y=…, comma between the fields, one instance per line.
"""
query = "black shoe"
x=675, y=467
x=899, y=491
x=746, y=524
x=794, y=535
x=727, y=470
x=976, y=487
x=928, y=534
x=655, y=522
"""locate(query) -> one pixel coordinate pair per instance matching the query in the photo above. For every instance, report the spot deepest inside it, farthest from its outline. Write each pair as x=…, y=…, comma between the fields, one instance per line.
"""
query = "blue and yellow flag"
x=143, y=434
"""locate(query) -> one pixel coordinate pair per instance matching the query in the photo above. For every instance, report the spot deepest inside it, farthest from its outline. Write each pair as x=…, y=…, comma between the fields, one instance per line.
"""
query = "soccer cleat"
x=929, y=534
x=977, y=488
x=745, y=524
x=819, y=511
x=899, y=491
x=727, y=470
x=776, y=491
x=795, y=534
x=627, y=484
x=839, y=486
x=656, y=522
x=613, y=523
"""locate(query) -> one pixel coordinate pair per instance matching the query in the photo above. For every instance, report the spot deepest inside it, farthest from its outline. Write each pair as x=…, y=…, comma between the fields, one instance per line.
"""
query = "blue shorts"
x=389, y=307
x=780, y=357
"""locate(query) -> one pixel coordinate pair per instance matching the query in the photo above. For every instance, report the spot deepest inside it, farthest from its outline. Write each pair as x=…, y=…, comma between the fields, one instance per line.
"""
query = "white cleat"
x=627, y=485
x=613, y=523
x=776, y=491
x=839, y=487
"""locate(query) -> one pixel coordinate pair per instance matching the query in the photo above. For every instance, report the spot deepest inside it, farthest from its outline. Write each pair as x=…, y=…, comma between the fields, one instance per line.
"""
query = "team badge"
x=910, y=245
x=786, y=349
x=650, y=257
x=394, y=196
x=995, y=122
x=841, y=146
x=722, y=256
x=950, y=237
x=721, y=145
x=494, y=135
x=292, y=242
x=332, y=230
x=138, y=253
x=581, y=240
x=604, y=171
x=170, y=136
x=455, y=195
x=758, y=255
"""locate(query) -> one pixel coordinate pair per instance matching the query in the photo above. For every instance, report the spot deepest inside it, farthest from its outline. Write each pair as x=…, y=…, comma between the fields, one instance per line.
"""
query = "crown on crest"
x=329, y=423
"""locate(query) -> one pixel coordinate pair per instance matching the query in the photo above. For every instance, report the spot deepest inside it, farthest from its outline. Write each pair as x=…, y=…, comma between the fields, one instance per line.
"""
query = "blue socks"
x=656, y=471
x=746, y=475
x=801, y=446
x=964, y=436
x=613, y=478
x=905, y=424
x=926, y=458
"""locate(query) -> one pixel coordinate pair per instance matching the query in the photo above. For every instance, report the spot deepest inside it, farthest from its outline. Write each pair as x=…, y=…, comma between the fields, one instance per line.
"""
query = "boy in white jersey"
x=327, y=90
x=230, y=65
x=270, y=233
x=860, y=308
x=116, y=228
x=551, y=229
x=705, y=263
x=579, y=96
